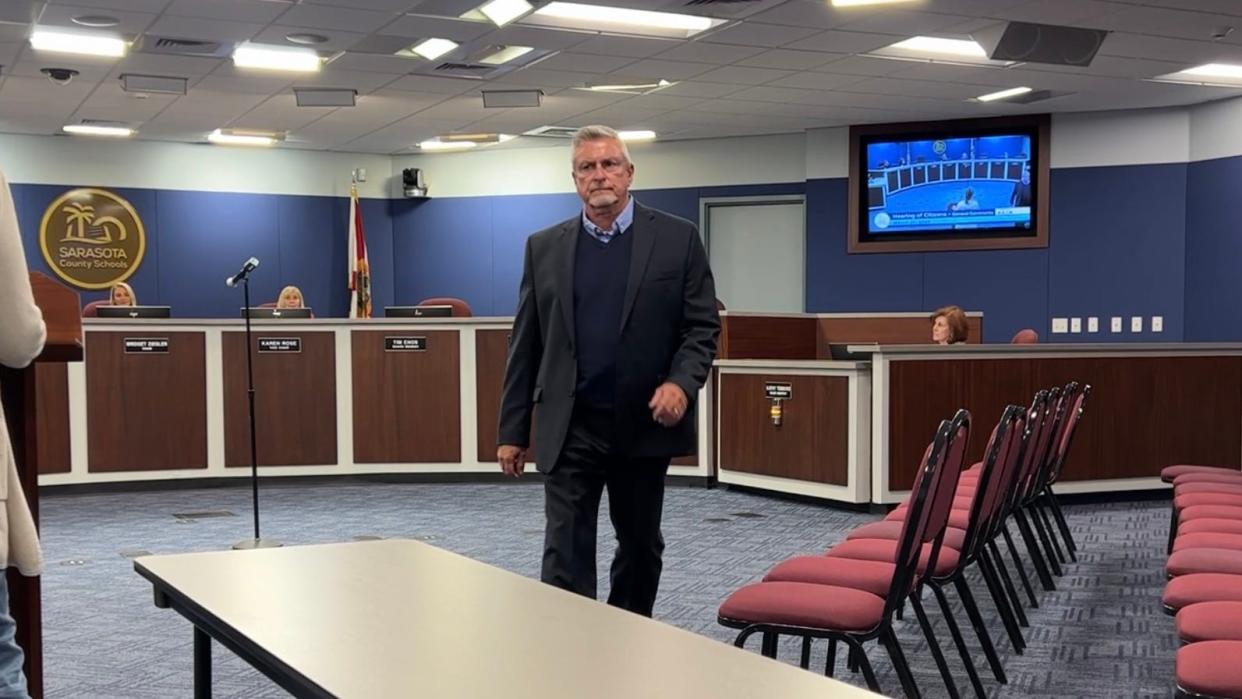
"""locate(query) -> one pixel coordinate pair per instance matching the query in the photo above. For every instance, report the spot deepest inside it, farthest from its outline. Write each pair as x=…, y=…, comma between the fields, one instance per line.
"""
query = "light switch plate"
x=1093, y=324
x=1075, y=325
x=1157, y=324
x=1114, y=324
x=1060, y=325
x=1136, y=324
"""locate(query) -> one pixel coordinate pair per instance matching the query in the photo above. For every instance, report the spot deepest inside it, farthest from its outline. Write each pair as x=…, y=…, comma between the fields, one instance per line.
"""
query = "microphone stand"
x=257, y=542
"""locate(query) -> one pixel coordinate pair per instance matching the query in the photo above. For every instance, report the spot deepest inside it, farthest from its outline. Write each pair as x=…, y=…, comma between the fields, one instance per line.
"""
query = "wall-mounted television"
x=949, y=185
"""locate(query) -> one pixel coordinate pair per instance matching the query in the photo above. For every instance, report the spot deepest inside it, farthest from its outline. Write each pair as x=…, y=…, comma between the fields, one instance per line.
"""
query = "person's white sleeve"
x=22, y=331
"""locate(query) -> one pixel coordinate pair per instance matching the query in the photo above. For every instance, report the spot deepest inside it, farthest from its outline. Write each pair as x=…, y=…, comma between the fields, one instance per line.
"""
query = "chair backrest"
x=1025, y=336
x=1038, y=422
x=1041, y=445
x=944, y=487
x=91, y=310
x=999, y=461
x=461, y=309
x=909, y=541
x=1073, y=415
x=1062, y=399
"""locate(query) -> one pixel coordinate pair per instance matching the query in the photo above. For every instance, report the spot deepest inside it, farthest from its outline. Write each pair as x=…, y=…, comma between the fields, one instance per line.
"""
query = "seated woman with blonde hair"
x=122, y=294
x=290, y=297
x=949, y=326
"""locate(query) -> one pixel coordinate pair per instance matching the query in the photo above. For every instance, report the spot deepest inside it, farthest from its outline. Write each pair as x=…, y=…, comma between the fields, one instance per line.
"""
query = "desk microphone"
x=245, y=270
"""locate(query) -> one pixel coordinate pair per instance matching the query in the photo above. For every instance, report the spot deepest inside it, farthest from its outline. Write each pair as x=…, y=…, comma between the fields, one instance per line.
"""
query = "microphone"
x=245, y=270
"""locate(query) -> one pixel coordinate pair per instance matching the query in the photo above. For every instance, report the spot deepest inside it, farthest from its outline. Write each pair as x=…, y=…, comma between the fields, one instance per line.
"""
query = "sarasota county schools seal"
x=92, y=238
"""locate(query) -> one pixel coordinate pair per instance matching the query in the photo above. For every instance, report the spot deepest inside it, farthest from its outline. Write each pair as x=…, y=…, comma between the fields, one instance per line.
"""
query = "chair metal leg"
x=1042, y=564
x=830, y=665
x=1062, y=524
x=934, y=646
x=742, y=635
x=956, y=633
x=998, y=562
x=976, y=621
x=859, y=656
x=806, y=653
x=1172, y=528
x=1042, y=515
x=1017, y=563
x=1002, y=606
x=769, y=644
x=908, y=685
x=202, y=664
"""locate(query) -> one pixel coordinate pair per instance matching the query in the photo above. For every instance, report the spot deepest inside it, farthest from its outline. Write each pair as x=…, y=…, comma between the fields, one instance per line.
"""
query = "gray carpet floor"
x=1101, y=634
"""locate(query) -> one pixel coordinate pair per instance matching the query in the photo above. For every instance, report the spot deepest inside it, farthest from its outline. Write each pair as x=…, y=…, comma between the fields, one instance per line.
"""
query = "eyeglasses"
x=611, y=166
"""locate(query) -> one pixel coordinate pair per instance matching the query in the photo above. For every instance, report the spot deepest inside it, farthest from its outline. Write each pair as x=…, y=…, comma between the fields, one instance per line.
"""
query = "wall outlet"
x=1114, y=324
x=1093, y=324
x=1060, y=325
x=1075, y=325
x=1136, y=324
x=1157, y=324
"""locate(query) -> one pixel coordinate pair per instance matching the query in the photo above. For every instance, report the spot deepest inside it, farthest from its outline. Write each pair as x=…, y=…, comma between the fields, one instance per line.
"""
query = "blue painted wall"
x=1214, y=250
x=196, y=239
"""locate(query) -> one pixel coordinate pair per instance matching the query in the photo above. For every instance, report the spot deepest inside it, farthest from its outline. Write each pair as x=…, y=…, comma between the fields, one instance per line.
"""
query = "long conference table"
x=400, y=618
x=165, y=399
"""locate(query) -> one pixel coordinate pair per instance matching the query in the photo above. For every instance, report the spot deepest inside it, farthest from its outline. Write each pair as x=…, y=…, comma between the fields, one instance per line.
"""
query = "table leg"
x=202, y=664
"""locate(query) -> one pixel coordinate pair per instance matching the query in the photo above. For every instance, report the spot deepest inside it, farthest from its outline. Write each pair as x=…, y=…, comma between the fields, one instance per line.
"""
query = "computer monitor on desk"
x=841, y=352
x=133, y=312
x=270, y=312
x=418, y=311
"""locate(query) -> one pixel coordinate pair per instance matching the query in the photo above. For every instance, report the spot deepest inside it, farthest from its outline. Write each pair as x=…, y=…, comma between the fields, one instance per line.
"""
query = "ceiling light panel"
x=1003, y=94
x=283, y=58
x=502, y=12
x=78, y=42
x=433, y=48
x=601, y=18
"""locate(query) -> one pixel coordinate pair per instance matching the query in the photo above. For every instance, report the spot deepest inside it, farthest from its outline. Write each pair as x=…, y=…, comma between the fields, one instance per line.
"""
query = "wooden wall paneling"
x=295, y=400
x=491, y=351
x=407, y=405
x=811, y=444
x=52, y=387
x=883, y=331
x=146, y=411
x=767, y=337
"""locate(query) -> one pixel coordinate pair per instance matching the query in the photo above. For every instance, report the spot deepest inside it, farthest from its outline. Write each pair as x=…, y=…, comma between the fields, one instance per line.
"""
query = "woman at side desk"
x=122, y=294
x=290, y=297
x=949, y=326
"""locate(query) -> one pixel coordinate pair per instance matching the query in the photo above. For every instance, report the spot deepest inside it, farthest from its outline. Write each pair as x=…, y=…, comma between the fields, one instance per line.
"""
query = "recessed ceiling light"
x=941, y=46
x=1003, y=94
x=92, y=130
x=158, y=84
x=437, y=144
x=502, y=12
x=858, y=3
x=639, y=135
x=68, y=42
x=505, y=54
x=276, y=58
x=1215, y=70
x=630, y=87
x=306, y=38
x=432, y=49
x=1208, y=74
x=96, y=21
x=234, y=139
x=572, y=15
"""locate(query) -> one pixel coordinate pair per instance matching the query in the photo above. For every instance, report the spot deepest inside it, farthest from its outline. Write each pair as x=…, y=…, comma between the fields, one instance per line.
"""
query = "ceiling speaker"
x=1041, y=43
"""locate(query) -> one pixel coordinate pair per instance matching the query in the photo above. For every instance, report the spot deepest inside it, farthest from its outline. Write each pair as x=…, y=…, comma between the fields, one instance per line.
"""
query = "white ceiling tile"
x=176, y=66
x=894, y=21
x=547, y=78
x=625, y=46
x=703, y=52
x=361, y=81
x=805, y=13
x=337, y=39
x=323, y=17
x=745, y=76
x=385, y=5
x=1168, y=49
x=421, y=27
x=112, y=103
x=784, y=59
x=667, y=70
x=281, y=113
x=203, y=29
x=697, y=88
x=548, y=39
x=257, y=11
x=153, y=6
x=588, y=62
x=373, y=63
x=1068, y=12
x=90, y=68
x=843, y=42
x=20, y=11
x=61, y=16
x=759, y=34
x=921, y=88
x=240, y=81
x=424, y=83
x=864, y=65
x=810, y=80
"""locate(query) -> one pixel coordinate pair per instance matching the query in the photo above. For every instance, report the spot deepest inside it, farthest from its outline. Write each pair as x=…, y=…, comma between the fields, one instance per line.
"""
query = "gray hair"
x=598, y=132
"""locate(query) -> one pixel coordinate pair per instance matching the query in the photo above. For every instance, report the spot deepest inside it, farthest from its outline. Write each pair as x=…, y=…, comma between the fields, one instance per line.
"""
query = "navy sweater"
x=601, y=271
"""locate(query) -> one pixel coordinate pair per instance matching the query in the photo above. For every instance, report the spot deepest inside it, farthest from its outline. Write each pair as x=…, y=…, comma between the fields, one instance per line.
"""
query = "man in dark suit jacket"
x=614, y=336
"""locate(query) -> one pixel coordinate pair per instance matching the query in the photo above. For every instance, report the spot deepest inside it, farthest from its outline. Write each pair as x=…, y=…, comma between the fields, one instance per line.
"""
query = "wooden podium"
x=63, y=317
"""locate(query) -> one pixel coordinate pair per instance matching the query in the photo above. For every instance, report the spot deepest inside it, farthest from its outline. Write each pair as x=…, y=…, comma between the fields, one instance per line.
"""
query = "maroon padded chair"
x=1185, y=590
x=1204, y=560
x=1025, y=336
x=852, y=616
x=1168, y=473
x=461, y=309
x=1209, y=621
x=91, y=310
x=1209, y=670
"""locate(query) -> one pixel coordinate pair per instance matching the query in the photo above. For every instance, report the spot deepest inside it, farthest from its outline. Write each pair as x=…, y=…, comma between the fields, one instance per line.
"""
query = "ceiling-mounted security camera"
x=60, y=76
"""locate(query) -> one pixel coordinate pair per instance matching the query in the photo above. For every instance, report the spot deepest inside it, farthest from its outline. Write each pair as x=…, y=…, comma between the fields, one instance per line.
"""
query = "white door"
x=756, y=246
